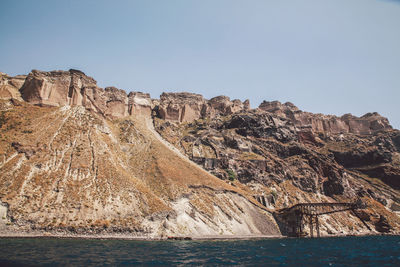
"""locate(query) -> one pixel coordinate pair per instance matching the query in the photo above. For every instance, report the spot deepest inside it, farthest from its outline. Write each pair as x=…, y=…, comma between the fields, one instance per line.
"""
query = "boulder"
x=382, y=225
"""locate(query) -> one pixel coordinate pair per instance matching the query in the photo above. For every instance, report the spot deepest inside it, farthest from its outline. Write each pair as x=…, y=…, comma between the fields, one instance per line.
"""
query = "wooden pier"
x=292, y=220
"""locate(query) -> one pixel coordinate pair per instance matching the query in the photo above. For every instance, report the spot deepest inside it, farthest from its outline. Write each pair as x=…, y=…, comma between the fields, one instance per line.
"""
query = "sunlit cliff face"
x=77, y=158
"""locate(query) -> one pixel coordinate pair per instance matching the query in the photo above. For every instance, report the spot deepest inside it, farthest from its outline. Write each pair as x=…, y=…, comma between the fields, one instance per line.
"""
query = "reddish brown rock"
x=116, y=102
x=9, y=86
x=327, y=124
x=224, y=106
x=187, y=107
x=181, y=107
x=56, y=88
x=74, y=88
x=139, y=103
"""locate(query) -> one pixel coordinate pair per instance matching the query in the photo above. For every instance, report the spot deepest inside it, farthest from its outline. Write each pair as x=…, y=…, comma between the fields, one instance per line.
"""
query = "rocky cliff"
x=187, y=107
x=370, y=123
x=288, y=159
x=9, y=86
x=76, y=158
x=74, y=88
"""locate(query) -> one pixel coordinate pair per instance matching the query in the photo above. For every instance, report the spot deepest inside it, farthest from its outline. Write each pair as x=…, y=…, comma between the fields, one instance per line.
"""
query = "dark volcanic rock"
x=396, y=140
x=261, y=126
x=382, y=225
x=357, y=158
x=388, y=174
x=333, y=187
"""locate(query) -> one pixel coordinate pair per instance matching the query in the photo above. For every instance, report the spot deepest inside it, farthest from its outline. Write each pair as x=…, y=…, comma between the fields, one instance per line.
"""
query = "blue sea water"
x=343, y=251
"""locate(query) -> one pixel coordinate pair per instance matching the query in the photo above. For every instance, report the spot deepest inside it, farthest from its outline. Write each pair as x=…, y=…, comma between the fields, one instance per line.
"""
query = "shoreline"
x=180, y=238
x=137, y=238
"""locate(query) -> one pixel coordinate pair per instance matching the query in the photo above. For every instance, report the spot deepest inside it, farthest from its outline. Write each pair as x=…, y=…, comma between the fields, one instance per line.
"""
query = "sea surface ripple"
x=340, y=251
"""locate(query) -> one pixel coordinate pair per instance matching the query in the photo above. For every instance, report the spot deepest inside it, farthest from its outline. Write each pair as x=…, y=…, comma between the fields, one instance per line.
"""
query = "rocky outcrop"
x=327, y=124
x=382, y=225
x=74, y=88
x=9, y=86
x=181, y=107
x=261, y=126
x=56, y=88
x=139, y=103
x=75, y=168
x=187, y=107
x=222, y=105
x=291, y=156
x=388, y=174
x=69, y=170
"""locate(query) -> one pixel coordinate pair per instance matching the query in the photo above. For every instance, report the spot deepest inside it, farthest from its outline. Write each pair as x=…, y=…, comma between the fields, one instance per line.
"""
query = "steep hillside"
x=289, y=156
x=79, y=159
x=91, y=169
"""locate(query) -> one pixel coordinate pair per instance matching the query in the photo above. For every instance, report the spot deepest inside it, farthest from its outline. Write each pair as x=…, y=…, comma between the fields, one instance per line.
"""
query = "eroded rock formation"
x=67, y=166
x=66, y=163
x=288, y=156
x=74, y=88
x=328, y=124
x=9, y=86
x=187, y=107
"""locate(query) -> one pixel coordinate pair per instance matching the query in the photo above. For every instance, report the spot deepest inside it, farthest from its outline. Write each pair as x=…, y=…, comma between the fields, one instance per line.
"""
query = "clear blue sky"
x=326, y=56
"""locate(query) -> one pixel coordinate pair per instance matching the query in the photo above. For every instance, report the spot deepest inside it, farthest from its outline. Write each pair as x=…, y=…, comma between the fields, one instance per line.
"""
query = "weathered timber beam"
x=328, y=212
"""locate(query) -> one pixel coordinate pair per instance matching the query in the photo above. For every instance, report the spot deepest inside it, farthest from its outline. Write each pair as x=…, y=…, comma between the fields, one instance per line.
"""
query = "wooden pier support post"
x=311, y=227
x=301, y=223
x=317, y=225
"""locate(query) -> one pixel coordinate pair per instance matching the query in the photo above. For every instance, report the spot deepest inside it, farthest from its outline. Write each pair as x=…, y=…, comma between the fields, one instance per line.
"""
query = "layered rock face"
x=9, y=86
x=67, y=164
x=187, y=107
x=289, y=156
x=71, y=170
x=74, y=88
x=181, y=107
x=368, y=124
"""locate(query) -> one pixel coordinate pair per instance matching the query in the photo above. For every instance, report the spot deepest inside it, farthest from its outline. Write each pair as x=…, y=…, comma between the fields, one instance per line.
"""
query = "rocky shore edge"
x=125, y=236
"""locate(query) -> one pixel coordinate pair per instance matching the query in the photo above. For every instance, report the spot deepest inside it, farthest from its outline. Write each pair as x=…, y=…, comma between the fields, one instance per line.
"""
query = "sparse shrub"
x=231, y=174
